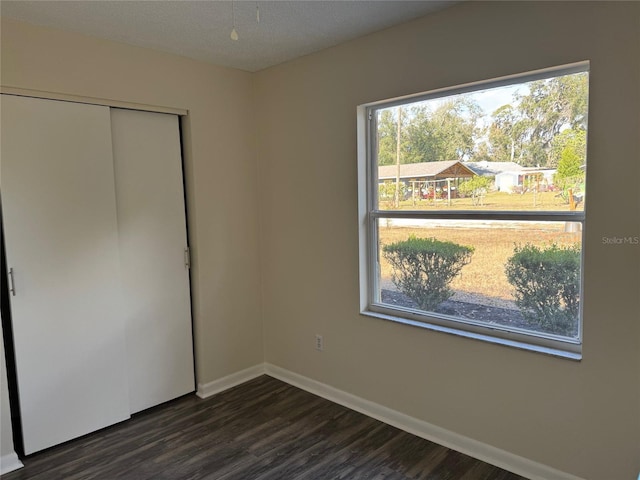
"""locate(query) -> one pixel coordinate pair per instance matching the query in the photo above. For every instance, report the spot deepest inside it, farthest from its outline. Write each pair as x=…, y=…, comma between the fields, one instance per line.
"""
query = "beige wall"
x=299, y=119
x=578, y=417
x=220, y=167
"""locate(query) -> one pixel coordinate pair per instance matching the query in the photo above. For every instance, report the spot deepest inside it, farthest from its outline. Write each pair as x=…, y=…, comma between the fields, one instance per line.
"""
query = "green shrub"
x=547, y=286
x=387, y=192
x=424, y=267
x=476, y=188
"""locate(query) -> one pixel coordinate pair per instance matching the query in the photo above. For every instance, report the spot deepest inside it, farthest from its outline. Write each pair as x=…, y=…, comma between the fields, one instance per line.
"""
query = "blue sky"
x=490, y=99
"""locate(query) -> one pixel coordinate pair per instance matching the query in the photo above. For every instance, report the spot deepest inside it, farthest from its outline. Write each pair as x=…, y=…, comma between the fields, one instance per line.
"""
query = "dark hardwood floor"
x=263, y=429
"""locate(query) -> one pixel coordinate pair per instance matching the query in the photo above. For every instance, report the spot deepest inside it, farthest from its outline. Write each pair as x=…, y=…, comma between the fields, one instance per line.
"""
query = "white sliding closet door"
x=152, y=235
x=59, y=213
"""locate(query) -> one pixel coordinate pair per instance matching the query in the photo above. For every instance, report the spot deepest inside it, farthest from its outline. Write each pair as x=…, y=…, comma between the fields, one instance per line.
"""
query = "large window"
x=472, y=209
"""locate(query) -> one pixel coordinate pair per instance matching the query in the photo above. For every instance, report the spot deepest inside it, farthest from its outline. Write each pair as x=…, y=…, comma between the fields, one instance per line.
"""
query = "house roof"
x=493, y=168
x=430, y=170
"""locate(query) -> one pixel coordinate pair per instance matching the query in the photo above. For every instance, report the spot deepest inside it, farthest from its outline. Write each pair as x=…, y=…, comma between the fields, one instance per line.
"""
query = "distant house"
x=508, y=181
x=511, y=177
x=506, y=174
x=520, y=180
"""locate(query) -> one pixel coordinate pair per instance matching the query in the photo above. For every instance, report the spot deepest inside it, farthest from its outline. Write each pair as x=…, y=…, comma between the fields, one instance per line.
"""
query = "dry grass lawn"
x=484, y=275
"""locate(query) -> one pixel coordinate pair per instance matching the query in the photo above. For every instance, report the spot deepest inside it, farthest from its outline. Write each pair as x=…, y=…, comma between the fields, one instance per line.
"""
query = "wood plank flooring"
x=261, y=430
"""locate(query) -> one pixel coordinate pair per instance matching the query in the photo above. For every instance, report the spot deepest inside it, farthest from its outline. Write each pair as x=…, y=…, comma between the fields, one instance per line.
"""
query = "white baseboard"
x=482, y=451
x=492, y=455
x=9, y=463
x=225, y=383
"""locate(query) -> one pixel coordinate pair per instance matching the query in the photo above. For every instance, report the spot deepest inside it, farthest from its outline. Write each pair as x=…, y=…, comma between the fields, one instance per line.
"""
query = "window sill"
x=555, y=352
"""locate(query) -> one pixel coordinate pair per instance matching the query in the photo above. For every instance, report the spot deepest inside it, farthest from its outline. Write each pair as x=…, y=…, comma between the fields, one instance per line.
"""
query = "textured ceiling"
x=201, y=29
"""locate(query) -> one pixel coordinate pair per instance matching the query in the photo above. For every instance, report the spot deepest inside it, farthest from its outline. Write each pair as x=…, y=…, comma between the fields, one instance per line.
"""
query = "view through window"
x=475, y=207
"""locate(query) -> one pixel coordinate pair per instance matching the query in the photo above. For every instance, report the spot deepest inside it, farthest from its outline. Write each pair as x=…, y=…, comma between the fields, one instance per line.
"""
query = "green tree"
x=551, y=106
x=569, y=144
x=482, y=152
x=447, y=133
x=525, y=131
x=569, y=165
x=387, y=137
x=387, y=193
x=570, y=147
x=454, y=128
x=420, y=139
x=476, y=188
x=507, y=134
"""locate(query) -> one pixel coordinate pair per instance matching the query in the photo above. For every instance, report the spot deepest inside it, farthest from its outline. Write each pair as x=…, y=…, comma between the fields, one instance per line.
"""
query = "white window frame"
x=370, y=214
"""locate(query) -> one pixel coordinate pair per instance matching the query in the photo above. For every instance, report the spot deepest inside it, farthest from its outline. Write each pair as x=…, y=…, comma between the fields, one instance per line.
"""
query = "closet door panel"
x=152, y=235
x=59, y=213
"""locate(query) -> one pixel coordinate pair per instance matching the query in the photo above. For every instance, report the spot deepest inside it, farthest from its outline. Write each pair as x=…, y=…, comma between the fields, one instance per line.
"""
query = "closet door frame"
x=182, y=114
x=104, y=102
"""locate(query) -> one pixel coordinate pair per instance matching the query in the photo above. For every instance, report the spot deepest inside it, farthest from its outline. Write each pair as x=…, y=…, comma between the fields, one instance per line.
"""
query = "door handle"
x=187, y=258
x=12, y=285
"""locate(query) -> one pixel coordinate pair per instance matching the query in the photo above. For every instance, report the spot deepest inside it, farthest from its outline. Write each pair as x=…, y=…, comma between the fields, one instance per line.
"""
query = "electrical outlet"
x=319, y=342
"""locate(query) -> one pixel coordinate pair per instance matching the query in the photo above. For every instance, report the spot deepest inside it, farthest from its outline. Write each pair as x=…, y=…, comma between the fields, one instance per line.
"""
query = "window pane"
x=516, y=147
x=507, y=274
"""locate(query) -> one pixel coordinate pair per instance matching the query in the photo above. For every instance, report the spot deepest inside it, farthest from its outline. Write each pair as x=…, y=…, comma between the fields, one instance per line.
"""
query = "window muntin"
x=526, y=203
